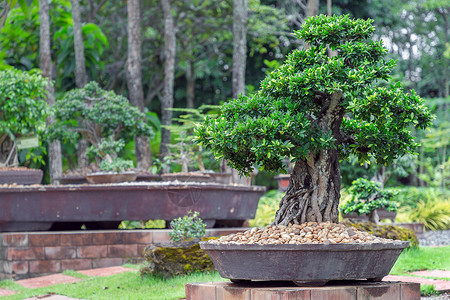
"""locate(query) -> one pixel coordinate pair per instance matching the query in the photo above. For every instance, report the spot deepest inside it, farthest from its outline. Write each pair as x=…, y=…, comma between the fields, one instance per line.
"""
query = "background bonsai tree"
x=317, y=110
x=23, y=110
x=367, y=197
x=103, y=118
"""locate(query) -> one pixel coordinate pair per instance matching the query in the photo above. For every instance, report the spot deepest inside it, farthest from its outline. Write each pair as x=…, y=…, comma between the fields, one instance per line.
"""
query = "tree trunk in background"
x=190, y=84
x=134, y=80
x=54, y=153
x=313, y=8
x=240, y=16
x=169, y=74
x=314, y=187
x=80, y=75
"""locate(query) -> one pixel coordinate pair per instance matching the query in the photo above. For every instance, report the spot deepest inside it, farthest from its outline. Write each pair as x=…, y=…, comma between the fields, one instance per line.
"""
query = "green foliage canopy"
x=98, y=115
x=282, y=119
x=22, y=101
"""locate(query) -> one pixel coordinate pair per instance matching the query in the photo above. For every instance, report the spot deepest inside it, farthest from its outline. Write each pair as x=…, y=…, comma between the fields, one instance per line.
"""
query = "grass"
x=131, y=286
x=423, y=258
x=120, y=286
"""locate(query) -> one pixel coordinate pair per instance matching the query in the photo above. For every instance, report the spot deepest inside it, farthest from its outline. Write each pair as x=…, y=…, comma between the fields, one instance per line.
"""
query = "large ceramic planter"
x=382, y=214
x=21, y=176
x=305, y=263
x=31, y=205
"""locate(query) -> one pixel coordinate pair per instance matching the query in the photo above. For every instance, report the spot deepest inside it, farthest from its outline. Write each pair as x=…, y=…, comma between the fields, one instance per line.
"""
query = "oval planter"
x=186, y=177
x=19, y=176
x=283, y=181
x=99, y=178
x=306, y=263
x=382, y=214
x=224, y=178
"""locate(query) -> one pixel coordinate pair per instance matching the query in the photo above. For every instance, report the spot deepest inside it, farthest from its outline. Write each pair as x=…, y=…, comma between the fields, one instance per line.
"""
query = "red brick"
x=76, y=239
x=108, y=238
x=227, y=292
x=160, y=236
x=45, y=266
x=138, y=237
x=379, y=291
x=76, y=264
x=60, y=252
x=19, y=267
x=410, y=291
x=196, y=291
x=43, y=239
x=92, y=251
x=26, y=253
x=123, y=251
x=107, y=262
x=281, y=294
x=141, y=249
x=335, y=293
x=15, y=240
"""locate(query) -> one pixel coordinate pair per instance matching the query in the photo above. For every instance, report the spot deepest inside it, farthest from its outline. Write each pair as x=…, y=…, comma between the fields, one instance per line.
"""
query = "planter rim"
x=306, y=247
x=136, y=185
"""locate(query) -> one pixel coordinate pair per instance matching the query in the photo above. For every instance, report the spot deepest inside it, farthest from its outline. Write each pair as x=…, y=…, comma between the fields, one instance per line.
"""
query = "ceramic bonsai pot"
x=20, y=176
x=283, y=181
x=305, y=263
x=186, y=177
x=99, y=178
x=382, y=214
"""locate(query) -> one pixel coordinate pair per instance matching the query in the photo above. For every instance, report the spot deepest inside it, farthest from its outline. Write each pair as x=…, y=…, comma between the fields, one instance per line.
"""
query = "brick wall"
x=31, y=254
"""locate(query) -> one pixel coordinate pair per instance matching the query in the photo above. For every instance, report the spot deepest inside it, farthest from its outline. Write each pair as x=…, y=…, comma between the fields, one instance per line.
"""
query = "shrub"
x=188, y=227
x=430, y=206
x=368, y=196
x=386, y=231
x=23, y=109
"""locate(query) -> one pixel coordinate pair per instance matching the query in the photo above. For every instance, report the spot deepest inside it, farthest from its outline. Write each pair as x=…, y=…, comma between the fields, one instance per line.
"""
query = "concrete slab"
x=4, y=292
x=47, y=281
x=433, y=273
x=102, y=272
x=52, y=297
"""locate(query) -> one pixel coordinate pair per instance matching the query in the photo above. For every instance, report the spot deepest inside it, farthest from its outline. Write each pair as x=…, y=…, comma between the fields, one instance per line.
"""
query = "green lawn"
x=131, y=286
x=423, y=258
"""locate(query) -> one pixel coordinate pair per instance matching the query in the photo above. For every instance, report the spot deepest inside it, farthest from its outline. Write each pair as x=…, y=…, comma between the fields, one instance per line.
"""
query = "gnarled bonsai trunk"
x=313, y=191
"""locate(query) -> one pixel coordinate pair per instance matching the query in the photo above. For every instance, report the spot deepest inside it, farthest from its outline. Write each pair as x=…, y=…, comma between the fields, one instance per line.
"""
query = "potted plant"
x=105, y=120
x=369, y=199
x=22, y=120
x=317, y=110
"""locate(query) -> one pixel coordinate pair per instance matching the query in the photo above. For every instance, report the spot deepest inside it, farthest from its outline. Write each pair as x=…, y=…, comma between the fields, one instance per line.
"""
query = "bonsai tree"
x=367, y=197
x=103, y=118
x=23, y=111
x=317, y=110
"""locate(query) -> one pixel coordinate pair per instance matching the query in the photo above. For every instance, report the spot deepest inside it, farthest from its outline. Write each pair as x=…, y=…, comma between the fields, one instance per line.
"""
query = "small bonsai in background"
x=105, y=119
x=23, y=111
x=367, y=197
x=188, y=227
